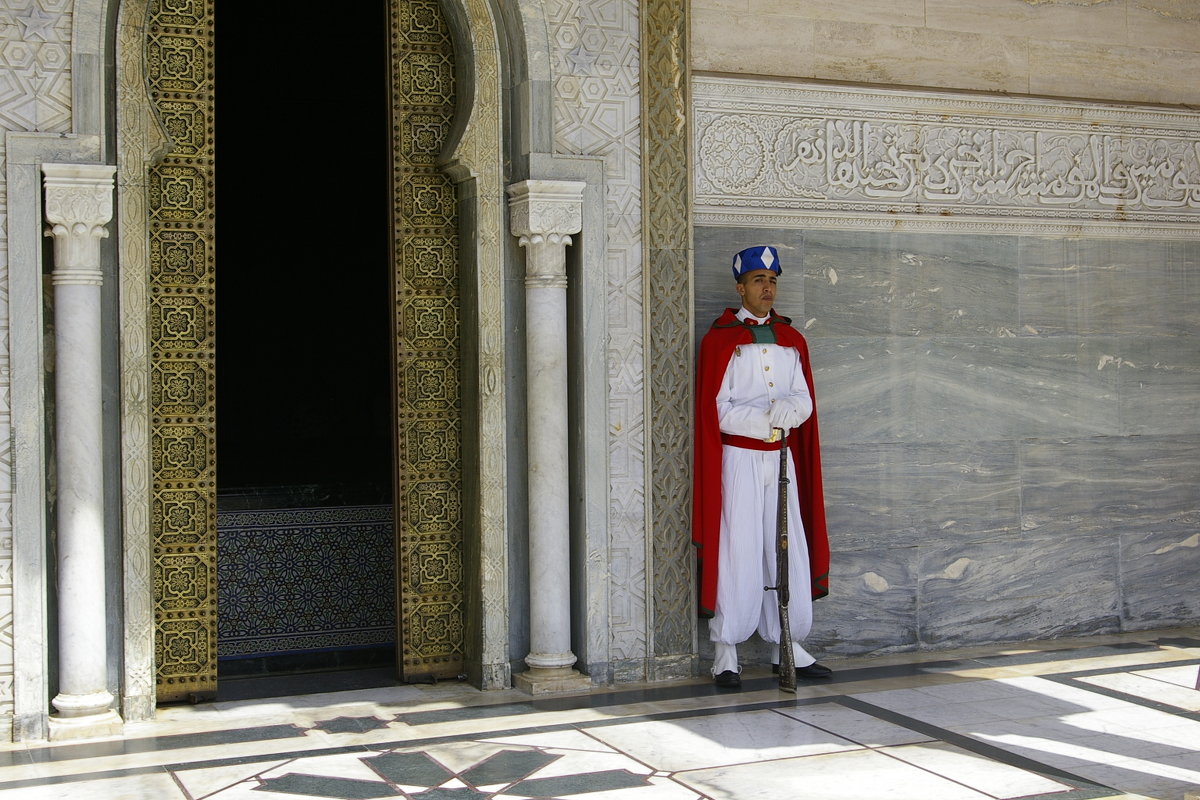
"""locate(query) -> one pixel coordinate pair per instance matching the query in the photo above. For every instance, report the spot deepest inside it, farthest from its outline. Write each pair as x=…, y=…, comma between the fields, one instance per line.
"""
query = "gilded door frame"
x=474, y=162
x=426, y=351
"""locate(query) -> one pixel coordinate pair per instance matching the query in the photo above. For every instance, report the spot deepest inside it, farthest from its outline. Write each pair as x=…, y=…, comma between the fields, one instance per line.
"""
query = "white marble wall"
x=1129, y=50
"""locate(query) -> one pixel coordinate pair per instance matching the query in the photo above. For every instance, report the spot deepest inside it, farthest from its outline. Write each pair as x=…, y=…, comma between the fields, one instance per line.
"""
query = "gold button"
x=768, y=369
x=764, y=351
x=770, y=383
x=772, y=399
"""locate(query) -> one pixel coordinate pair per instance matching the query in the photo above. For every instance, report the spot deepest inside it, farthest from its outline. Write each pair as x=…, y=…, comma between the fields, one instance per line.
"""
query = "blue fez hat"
x=752, y=258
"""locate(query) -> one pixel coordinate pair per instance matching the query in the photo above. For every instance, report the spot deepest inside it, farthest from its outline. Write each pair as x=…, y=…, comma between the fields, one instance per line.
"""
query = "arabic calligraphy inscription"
x=757, y=153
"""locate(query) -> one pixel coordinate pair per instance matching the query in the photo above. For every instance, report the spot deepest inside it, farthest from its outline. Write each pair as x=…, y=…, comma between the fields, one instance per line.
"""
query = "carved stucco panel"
x=669, y=370
x=36, y=63
x=595, y=64
x=140, y=140
x=797, y=155
x=479, y=153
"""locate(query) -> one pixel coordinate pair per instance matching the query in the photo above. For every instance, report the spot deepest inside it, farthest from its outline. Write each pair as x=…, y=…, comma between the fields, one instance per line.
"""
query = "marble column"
x=544, y=214
x=78, y=206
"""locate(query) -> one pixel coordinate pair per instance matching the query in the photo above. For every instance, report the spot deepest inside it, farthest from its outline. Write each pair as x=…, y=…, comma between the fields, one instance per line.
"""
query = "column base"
x=91, y=726
x=542, y=680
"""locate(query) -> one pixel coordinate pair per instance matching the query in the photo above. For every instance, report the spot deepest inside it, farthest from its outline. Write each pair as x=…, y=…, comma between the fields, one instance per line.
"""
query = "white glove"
x=784, y=415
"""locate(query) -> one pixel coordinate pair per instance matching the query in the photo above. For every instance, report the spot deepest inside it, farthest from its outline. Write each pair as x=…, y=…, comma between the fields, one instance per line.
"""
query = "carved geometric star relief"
x=580, y=60
x=37, y=23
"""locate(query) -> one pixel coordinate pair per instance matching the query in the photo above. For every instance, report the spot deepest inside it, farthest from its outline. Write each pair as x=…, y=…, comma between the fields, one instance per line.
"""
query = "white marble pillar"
x=544, y=214
x=78, y=206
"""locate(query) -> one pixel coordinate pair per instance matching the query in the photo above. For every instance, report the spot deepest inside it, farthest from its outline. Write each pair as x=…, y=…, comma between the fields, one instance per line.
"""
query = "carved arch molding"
x=167, y=160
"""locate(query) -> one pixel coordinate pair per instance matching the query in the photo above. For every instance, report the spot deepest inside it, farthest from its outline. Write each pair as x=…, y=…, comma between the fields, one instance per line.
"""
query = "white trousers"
x=746, y=562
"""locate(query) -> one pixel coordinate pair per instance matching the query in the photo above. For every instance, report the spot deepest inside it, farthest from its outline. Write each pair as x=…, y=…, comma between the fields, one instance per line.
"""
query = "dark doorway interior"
x=303, y=342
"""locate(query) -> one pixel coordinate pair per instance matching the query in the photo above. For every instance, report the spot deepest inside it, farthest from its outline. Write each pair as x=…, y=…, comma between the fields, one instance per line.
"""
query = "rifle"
x=787, y=661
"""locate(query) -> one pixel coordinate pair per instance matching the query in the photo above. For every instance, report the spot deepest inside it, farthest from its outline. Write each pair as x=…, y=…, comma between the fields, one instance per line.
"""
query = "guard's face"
x=757, y=290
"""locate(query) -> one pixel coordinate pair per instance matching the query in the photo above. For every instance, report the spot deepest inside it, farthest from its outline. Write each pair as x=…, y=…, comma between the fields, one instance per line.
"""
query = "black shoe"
x=728, y=680
x=813, y=670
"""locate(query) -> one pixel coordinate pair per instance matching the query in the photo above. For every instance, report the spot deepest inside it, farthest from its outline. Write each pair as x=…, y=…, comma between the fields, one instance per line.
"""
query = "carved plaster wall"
x=668, y=320
x=476, y=164
x=595, y=66
x=794, y=155
x=36, y=65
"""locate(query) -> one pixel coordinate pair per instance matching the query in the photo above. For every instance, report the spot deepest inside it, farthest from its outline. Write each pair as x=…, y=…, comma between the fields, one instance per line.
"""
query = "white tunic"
x=758, y=376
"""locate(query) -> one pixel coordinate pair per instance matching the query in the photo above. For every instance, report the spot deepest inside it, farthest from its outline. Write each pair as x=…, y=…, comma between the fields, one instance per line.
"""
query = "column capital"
x=544, y=214
x=546, y=210
x=78, y=206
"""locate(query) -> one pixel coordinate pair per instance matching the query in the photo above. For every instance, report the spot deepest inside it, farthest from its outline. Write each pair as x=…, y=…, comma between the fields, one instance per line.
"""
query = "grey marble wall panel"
x=1102, y=286
x=849, y=286
x=1059, y=386
x=1111, y=485
x=1060, y=294
x=1159, y=285
x=1036, y=588
x=865, y=388
x=965, y=389
x=889, y=496
x=971, y=388
x=868, y=498
x=1159, y=574
x=872, y=603
x=1158, y=379
x=910, y=284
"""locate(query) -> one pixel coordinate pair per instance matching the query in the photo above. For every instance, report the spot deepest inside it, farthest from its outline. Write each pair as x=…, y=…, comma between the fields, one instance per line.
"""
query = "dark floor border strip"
x=1072, y=679
x=677, y=692
x=1087, y=673
x=1067, y=654
x=1079, y=794
x=968, y=743
x=56, y=780
x=691, y=713
x=232, y=761
x=151, y=744
x=1177, y=641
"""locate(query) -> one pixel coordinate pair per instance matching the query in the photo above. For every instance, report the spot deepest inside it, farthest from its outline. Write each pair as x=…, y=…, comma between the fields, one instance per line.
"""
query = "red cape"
x=716, y=348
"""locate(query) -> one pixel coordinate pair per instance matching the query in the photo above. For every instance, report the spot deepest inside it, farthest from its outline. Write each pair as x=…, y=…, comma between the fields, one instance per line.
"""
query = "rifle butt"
x=787, y=661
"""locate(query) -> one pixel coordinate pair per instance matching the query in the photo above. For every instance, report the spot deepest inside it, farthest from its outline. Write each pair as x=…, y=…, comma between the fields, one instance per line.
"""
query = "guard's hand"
x=784, y=415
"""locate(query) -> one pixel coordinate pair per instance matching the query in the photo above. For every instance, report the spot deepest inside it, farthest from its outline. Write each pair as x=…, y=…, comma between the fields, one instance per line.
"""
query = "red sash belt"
x=747, y=443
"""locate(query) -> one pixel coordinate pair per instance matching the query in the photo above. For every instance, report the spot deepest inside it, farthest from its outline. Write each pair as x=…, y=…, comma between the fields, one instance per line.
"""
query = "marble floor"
x=1082, y=719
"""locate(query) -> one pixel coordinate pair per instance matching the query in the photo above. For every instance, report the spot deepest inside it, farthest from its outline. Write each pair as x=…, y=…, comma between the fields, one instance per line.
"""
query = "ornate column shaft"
x=78, y=206
x=544, y=215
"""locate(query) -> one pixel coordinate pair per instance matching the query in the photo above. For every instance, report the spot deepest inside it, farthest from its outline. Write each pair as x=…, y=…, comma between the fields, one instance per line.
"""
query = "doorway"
x=306, y=551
